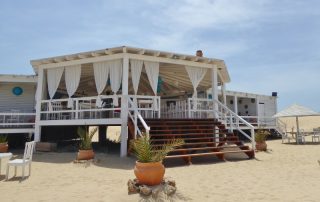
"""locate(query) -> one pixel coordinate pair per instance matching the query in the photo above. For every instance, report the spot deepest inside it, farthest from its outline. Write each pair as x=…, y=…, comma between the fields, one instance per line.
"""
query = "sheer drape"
x=152, y=70
x=53, y=78
x=196, y=74
x=136, y=68
x=72, y=79
x=101, y=72
x=115, y=78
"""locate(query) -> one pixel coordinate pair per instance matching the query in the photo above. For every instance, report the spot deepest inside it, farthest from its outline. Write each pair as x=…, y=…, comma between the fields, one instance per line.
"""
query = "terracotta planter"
x=3, y=147
x=261, y=146
x=149, y=173
x=85, y=155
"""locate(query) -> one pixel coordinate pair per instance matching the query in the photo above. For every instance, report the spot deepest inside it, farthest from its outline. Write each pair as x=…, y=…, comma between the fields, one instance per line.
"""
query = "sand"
x=287, y=172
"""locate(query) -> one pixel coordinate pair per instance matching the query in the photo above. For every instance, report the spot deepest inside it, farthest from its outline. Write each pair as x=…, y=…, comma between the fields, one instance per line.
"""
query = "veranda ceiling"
x=175, y=82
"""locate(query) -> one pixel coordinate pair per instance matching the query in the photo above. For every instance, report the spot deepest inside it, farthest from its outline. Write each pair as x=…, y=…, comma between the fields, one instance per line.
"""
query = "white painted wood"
x=23, y=103
x=124, y=107
x=214, y=77
x=16, y=130
x=223, y=91
x=18, y=78
x=40, y=87
x=110, y=121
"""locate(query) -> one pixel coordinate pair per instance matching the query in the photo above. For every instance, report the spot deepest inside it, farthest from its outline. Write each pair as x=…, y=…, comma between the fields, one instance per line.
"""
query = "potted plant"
x=85, y=146
x=149, y=169
x=3, y=143
x=260, y=138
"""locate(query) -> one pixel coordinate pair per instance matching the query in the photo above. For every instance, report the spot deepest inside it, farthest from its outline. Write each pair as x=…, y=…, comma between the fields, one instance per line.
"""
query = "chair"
x=316, y=134
x=301, y=136
x=27, y=159
x=285, y=137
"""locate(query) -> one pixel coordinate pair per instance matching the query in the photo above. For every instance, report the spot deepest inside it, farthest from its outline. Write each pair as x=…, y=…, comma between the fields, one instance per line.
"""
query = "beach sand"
x=287, y=172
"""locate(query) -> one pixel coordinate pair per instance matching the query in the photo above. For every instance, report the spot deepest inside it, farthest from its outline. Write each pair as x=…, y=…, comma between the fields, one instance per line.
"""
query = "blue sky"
x=268, y=45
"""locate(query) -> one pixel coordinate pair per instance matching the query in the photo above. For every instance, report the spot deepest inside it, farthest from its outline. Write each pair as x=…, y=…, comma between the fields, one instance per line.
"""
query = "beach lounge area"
x=286, y=172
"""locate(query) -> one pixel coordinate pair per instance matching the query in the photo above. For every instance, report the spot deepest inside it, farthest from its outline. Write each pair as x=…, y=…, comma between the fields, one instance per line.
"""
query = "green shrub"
x=3, y=138
x=86, y=137
x=261, y=135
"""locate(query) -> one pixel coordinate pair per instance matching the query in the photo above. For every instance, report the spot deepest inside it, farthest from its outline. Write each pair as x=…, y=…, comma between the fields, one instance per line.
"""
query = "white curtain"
x=101, y=72
x=53, y=78
x=115, y=78
x=72, y=77
x=136, y=67
x=152, y=69
x=196, y=74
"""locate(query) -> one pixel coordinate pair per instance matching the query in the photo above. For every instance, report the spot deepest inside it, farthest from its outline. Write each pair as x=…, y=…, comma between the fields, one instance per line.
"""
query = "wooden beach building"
x=165, y=94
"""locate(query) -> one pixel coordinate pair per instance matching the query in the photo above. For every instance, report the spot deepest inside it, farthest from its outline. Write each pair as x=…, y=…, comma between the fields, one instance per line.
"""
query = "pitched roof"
x=296, y=110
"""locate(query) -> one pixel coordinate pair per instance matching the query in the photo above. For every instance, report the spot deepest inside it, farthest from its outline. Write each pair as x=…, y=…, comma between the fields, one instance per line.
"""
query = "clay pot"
x=85, y=155
x=261, y=146
x=149, y=173
x=3, y=147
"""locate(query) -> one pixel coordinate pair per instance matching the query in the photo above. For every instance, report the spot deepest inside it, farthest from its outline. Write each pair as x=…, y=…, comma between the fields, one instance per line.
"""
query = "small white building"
x=17, y=103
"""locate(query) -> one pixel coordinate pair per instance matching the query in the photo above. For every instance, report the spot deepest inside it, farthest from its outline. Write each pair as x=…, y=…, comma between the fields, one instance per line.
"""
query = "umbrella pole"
x=298, y=131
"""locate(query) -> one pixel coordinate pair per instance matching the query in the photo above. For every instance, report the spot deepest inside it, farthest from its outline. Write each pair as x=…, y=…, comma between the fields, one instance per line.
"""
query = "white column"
x=235, y=101
x=39, y=94
x=224, y=96
x=214, y=76
x=124, y=107
x=257, y=111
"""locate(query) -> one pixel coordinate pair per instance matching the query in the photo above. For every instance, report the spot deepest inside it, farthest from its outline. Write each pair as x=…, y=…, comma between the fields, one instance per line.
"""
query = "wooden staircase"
x=203, y=137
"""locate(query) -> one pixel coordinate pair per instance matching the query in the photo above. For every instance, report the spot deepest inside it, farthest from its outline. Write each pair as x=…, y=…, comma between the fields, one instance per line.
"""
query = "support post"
x=235, y=101
x=214, y=76
x=39, y=93
x=224, y=96
x=124, y=107
x=102, y=135
x=257, y=111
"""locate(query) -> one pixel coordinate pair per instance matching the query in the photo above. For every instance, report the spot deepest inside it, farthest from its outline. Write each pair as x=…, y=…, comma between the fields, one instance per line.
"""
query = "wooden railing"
x=17, y=120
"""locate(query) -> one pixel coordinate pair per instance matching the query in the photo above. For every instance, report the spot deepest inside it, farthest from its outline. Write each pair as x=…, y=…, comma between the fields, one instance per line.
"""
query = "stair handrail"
x=229, y=114
x=281, y=127
x=137, y=116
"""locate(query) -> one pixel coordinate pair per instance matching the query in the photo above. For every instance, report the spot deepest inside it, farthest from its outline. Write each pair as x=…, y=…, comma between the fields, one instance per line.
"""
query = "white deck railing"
x=17, y=120
x=233, y=121
x=207, y=108
x=148, y=106
x=177, y=108
x=135, y=116
x=85, y=107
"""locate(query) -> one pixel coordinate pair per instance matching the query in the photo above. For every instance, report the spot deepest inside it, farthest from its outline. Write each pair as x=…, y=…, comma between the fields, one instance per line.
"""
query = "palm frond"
x=145, y=151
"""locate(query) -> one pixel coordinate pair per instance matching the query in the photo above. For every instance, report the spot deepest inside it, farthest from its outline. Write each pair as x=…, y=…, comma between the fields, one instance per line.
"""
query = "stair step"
x=182, y=130
x=207, y=154
x=203, y=143
x=208, y=148
x=187, y=134
x=185, y=139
